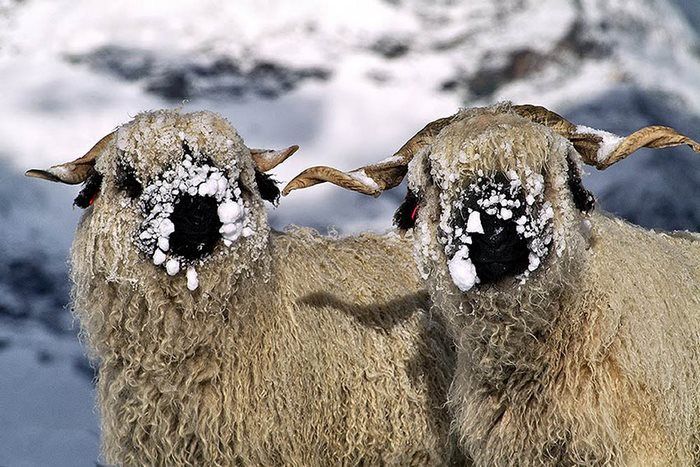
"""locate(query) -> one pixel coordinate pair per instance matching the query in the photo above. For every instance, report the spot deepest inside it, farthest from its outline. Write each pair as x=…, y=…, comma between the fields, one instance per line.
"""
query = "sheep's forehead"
x=491, y=143
x=153, y=140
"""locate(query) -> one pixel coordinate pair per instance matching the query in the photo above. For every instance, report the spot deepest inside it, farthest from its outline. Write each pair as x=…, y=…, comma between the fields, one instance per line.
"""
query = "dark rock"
x=577, y=44
x=122, y=62
x=390, y=47
x=178, y=78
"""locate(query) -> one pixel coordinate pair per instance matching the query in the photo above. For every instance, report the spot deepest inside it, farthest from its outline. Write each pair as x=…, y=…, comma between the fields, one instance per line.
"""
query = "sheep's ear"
x=405, y=215
x=76, y=171
x=376, y=178
x=600, y=148
x=267, y=186
x=583, y=199
x=268, y=159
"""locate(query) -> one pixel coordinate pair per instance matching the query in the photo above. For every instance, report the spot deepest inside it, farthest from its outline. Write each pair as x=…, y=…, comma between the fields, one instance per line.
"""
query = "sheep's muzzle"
x=499, y=252
x=496, y=249
x=494, y=231
x=197, y=226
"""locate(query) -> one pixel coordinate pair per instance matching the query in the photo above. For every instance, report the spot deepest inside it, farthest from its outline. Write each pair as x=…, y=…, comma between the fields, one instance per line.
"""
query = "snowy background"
x=347, y=80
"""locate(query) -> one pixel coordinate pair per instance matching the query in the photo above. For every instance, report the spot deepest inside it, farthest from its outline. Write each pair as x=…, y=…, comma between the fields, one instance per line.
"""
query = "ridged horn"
x=375, y=178
x=76, y=171
x=600, y=148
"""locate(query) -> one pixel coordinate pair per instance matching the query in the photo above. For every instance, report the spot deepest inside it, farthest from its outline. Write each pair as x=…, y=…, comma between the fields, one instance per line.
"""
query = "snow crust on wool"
x=609, y=142
x=194, y=176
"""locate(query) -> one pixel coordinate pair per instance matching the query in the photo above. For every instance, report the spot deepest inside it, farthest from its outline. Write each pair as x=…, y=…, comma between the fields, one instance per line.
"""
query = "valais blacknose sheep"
x=221, y=342
x=577, y=333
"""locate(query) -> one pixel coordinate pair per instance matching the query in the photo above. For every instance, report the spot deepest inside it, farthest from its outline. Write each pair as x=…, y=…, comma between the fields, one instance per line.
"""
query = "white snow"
x=164, y=243
x=366, y=180
x=462, y=270
x=192, y=279
x=229, y=211
x=533, y=261
x=607, y=146
x=166, y=227
x=172, y=266
x=159, y=257
x=474, y=223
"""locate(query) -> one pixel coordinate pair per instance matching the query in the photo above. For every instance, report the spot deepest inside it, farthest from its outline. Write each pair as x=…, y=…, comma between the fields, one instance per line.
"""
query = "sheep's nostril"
x=197, y=226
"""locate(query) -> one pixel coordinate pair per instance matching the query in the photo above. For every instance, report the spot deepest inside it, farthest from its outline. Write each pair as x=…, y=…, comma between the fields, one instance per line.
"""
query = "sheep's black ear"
x=583, y=199
x=405, y=215
x=89, y=192
x=267, y=187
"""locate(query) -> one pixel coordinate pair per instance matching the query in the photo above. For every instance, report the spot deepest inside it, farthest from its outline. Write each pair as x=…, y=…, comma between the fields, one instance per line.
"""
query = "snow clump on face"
x=194, y=176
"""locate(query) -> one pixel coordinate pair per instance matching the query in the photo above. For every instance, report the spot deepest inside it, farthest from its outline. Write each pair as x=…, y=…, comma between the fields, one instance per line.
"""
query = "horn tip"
x=291, y=186
x=42, y=174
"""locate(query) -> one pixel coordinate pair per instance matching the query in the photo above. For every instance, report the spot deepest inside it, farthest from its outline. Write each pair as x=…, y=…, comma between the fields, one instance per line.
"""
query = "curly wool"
x=595, y=358
x=296, y=349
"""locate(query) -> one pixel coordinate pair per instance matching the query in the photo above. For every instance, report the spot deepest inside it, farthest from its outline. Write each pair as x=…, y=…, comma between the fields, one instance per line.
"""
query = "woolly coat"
x=297, y=350
x=608, y=373
x=331, y=361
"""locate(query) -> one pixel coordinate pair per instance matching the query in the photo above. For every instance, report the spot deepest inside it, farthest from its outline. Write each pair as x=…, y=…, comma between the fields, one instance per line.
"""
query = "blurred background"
x=347, y=80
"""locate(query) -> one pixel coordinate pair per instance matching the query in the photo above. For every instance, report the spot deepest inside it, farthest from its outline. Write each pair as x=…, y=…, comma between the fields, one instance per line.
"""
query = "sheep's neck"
x=529, y=345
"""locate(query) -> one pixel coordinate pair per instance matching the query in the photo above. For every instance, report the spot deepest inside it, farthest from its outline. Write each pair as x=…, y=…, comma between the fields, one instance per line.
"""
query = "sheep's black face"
x=496, y=249
x=497, y=227
x=189, y=209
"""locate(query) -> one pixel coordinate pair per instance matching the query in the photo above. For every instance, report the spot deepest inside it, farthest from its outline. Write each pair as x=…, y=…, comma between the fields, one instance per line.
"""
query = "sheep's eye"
x=127, y=181
x=583, y=199
x=405, y=216
x=89, y=192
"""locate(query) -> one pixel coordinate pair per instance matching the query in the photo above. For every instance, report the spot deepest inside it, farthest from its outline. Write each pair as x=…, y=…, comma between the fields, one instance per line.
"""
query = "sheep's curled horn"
x=376, y=178
x=80, y=169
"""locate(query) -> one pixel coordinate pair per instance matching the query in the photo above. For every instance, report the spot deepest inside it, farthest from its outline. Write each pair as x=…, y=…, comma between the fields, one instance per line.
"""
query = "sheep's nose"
x=498, y=252
x=197, y=226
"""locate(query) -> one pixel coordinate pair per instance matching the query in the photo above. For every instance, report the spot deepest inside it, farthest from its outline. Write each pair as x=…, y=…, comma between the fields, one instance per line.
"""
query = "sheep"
x=223, y=342
x=577, y=333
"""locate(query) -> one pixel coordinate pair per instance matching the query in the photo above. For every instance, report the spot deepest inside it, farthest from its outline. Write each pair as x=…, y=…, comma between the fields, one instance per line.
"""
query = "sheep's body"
x=609, y=374
x=333, y=360
x=577, y=334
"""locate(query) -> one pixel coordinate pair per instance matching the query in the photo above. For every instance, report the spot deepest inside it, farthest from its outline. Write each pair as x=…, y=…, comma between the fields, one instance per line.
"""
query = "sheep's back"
x=373, y=364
